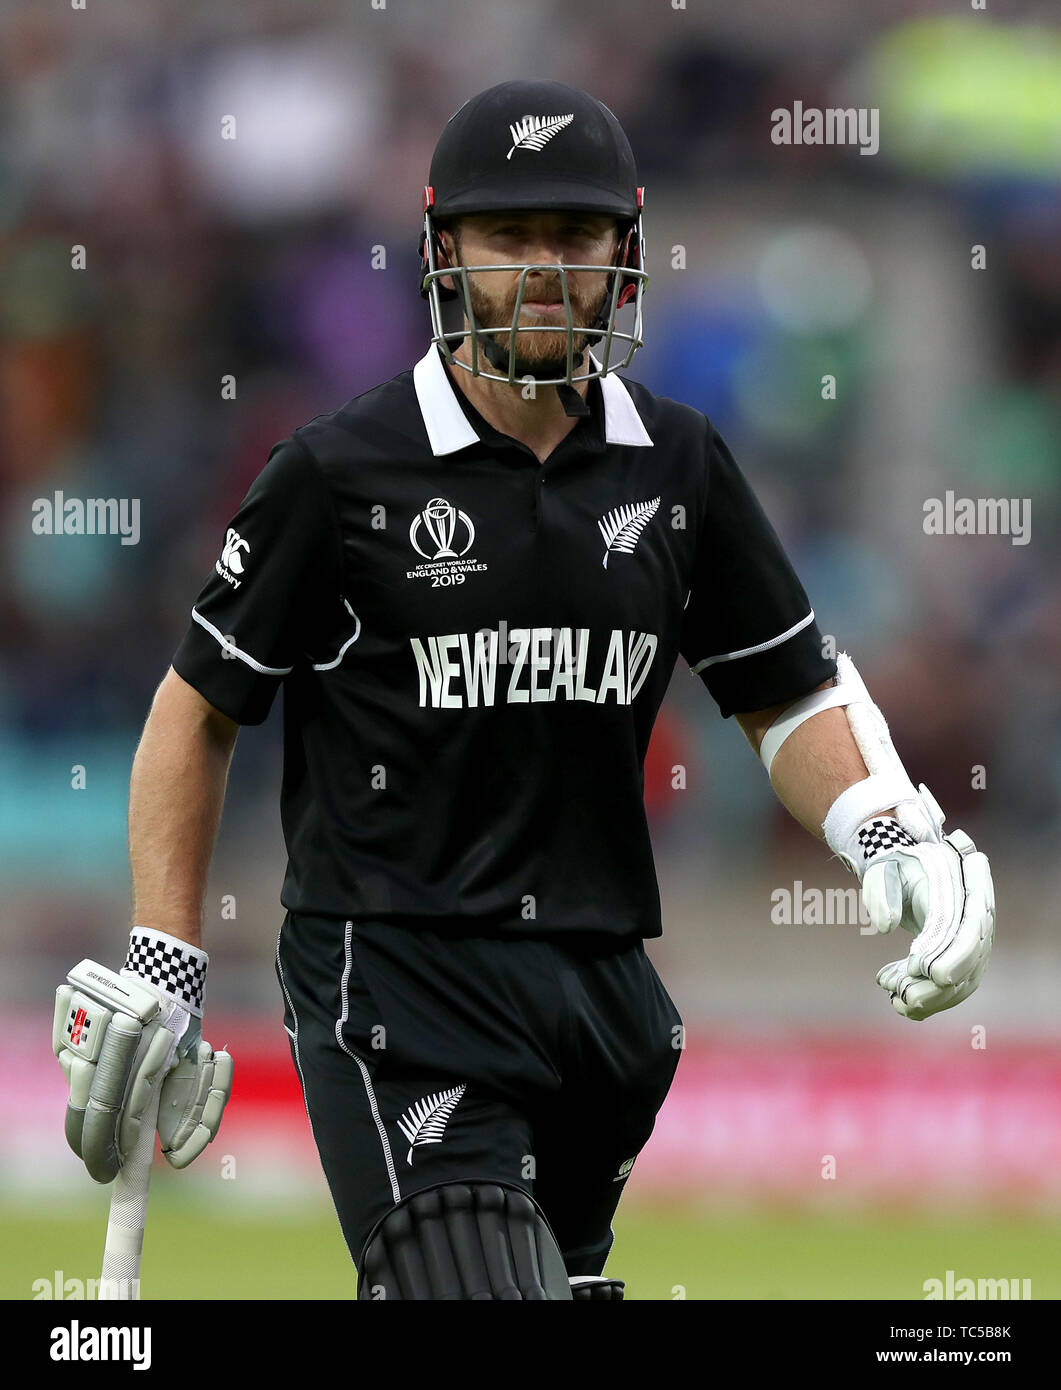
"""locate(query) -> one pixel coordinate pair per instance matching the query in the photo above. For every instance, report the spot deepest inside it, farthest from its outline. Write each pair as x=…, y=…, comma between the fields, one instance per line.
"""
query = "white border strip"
x=789, y=721
x=388, y=1157
x=228, y=646
x=294, y=1035
x=753, y=651
x=331, y=665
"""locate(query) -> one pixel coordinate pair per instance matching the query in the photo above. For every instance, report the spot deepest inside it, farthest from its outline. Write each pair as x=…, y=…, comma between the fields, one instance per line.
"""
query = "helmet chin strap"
x=569, y=398
x=572, y=402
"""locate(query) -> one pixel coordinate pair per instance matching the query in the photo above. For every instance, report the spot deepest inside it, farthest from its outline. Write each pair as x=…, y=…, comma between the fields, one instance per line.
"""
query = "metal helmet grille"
x=615, y=346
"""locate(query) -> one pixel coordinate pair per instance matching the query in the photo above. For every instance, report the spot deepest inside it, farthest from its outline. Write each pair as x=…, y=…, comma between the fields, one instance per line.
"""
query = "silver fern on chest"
x=622, y=527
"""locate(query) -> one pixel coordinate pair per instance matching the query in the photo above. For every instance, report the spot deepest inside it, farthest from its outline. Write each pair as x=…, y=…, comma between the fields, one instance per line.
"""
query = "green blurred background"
x=663, y=1252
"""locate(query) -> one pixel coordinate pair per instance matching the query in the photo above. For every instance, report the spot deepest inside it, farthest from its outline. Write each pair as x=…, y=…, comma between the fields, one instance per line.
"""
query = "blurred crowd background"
x=772, y=266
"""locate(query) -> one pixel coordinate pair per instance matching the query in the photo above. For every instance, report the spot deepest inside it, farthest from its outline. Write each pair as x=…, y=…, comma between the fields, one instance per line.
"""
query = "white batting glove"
x=942, y=893
x=120, y=1035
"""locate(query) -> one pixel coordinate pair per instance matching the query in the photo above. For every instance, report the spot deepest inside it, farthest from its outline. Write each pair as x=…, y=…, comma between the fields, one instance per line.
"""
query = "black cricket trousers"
x=428, y=1057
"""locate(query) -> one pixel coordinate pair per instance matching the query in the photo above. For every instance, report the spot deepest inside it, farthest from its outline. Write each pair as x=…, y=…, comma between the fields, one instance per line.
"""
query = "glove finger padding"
x=97, y=1032
x=194, y=1096
x=955, y=956
x=916, y=998
x=99, y=1137
x=147, y=1075
x=949, y=903
x=78, y=1060
x=115, y=1038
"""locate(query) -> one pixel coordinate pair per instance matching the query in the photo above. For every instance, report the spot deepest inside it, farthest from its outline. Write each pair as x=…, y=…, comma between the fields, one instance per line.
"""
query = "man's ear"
x=620, y=240
x=447, y=254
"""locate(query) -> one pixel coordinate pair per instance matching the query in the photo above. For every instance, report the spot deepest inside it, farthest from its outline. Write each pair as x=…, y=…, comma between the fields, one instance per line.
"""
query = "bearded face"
x=546, y=239
x=538, y=353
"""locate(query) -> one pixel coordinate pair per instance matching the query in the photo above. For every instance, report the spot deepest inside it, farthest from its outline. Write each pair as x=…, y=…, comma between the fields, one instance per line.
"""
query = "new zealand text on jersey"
x=460, y=669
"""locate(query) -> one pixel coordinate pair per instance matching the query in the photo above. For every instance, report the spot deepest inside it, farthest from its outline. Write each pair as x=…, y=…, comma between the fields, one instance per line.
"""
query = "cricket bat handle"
x=128, y=1213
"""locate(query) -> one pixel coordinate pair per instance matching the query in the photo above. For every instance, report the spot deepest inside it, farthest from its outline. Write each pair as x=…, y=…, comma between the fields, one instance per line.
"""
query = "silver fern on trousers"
x=425, y=1122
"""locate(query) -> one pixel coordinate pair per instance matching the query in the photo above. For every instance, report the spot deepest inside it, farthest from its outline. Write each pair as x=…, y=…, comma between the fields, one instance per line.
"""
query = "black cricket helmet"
x=535, y=147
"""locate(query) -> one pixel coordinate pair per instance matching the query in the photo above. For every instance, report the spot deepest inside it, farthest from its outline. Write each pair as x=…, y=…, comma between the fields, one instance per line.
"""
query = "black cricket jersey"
x=473, y=648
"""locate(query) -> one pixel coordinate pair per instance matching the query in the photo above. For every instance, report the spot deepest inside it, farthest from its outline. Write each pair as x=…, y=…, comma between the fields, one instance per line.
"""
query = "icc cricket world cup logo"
x=440, y=519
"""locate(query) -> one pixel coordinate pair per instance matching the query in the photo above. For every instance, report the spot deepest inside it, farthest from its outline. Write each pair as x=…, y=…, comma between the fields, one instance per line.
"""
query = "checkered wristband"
x=879, y=835
x=176, y=969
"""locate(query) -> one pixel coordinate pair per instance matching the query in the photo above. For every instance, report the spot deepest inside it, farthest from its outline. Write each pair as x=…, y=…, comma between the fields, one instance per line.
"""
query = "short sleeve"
x=748, y=631
x=276, y=592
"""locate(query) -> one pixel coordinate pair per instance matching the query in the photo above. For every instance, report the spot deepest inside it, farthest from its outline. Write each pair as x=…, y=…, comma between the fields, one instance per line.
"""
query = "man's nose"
x=547, y=265
x=544, y=250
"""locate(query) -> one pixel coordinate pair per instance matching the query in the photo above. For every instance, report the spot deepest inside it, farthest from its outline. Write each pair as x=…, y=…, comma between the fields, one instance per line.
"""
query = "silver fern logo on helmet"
x=534, y=132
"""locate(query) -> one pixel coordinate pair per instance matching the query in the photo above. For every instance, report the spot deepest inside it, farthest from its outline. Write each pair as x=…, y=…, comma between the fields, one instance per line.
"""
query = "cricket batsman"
x=473, y=583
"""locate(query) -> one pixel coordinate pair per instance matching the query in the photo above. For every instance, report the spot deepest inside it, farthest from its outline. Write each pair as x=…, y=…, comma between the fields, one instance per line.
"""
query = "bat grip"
x=128, y=1212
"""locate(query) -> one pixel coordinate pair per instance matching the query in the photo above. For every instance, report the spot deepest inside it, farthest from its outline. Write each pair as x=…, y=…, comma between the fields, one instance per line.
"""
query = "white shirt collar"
x=622, y=424
x=449, y=429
